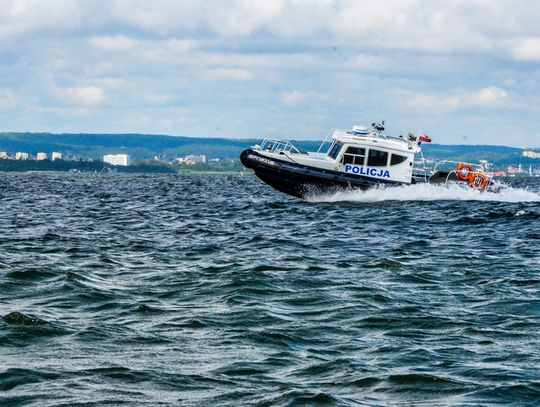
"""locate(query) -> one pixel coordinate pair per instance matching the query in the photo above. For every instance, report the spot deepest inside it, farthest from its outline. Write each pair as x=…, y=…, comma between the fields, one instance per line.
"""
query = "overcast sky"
x=464, y=71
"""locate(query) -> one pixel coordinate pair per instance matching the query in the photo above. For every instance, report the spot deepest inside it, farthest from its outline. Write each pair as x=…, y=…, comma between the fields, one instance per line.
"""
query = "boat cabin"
x=373, y=154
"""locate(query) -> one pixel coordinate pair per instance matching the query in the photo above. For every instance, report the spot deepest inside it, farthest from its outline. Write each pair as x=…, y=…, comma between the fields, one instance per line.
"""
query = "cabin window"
x=396, y=159
x=354, y=156
x=334, y=151
x=377, y=158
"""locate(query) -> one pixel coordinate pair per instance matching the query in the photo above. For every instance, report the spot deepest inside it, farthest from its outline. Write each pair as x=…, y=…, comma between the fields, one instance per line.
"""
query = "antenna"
x=378, y=127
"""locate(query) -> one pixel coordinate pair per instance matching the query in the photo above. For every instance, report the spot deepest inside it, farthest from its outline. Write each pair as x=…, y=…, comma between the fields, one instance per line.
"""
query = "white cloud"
x=179, y=46
x=338, y=59
x=163, y=52
x=483, y=98
x=234, y=74
x=372, y=62
x=89, y=96
x=486, y=97
x=227, y=18
x=159, y=99
x=423, y=101
x=527, y=50
x=7, y=99
x=19, y=18
x=292, y=98
x=114, y=44
x=419, y=25
x=413, y=25
x=297, y=97
x=244, y=17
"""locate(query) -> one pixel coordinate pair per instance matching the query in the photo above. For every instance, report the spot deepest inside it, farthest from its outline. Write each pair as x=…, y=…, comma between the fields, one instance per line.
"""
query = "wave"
x=209, y=290
x=430, y=192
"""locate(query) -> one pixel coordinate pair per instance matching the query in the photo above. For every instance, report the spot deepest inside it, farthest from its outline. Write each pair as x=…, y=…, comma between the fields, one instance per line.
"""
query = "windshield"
x=334, y=150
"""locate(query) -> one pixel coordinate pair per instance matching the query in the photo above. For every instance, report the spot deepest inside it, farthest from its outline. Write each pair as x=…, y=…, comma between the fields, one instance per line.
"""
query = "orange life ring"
x=478, y=181
x=462, y=174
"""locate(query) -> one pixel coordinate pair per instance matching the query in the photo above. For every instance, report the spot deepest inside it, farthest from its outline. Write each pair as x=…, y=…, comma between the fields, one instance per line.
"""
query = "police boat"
x=360, y=158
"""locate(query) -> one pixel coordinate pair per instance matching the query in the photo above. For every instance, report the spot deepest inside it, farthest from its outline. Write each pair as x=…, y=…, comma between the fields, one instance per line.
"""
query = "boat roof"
x=374, y=138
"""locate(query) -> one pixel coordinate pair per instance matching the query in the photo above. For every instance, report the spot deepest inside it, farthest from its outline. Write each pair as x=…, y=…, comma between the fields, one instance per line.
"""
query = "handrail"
x=422, y=162
x=326, y=138
x=277, y=146
x=476, y=167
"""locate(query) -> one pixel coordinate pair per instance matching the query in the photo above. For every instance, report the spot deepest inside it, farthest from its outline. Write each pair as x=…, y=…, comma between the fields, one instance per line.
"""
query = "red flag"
x=424, y=138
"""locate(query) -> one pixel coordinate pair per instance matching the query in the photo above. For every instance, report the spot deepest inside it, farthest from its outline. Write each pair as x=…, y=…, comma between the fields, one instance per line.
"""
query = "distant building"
x=497, y=174
x=21, y=156
x=117, y=159
x=486, y=165
x=41, y=156
x=56, y=155
x=531, y=154
x=3, y=155
x=192, y=159
x=513, y=171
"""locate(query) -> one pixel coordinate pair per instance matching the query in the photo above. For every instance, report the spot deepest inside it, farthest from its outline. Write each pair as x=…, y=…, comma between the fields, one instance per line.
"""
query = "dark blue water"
x=216, y=290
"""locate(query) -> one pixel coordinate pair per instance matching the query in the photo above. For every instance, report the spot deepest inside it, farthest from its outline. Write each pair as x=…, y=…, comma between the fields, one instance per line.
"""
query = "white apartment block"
x=531, y=154
x=56, y=155
x=192, y=159
x=117, y=159
x=21, y=156
x=41, y=156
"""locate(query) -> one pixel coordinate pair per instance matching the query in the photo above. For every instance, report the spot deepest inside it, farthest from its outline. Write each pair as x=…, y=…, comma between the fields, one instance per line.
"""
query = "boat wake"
x=430, y=192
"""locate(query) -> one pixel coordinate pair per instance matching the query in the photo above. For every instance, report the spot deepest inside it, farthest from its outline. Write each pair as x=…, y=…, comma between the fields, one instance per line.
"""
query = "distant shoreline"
x=142, y=167
x=168, y=148
x=78, y=166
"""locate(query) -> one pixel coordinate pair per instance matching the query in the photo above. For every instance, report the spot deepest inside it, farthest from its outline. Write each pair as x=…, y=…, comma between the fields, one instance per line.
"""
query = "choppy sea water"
x=217, y=290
